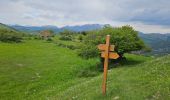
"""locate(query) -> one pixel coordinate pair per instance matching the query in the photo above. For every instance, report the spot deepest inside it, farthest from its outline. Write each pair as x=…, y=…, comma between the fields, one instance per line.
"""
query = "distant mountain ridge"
x=34, y=29
x=76, y=28
x=85, y=27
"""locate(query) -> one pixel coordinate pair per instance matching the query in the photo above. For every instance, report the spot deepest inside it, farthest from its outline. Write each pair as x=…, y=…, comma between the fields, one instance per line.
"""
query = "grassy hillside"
x=3, y=26
x=146, y=81
x=8, y=34
x=37, y=69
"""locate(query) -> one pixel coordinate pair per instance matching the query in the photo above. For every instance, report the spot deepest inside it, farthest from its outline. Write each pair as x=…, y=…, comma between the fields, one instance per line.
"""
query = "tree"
x=80, y=38
x=67, y=35
x=46, y=34
x=125, y=39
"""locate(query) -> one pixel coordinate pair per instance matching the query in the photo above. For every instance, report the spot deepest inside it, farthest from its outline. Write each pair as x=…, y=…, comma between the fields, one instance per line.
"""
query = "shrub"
x=67, y=35
x=72, y=47
x=88, y=51
x=90, y=71
x=10, y=36
x=67, y=38
x=80, y=38
x=49, y=39
x=37, y=38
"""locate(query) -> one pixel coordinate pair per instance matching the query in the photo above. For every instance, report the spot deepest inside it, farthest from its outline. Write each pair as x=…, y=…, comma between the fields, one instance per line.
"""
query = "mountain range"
x=56, y=29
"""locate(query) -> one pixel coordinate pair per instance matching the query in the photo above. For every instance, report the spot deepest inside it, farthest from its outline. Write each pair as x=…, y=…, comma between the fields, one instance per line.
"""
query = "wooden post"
x=106, y=64
x=107, y=52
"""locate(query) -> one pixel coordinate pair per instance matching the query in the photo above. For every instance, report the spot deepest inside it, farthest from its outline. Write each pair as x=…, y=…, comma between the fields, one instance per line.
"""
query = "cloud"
x=145, y=13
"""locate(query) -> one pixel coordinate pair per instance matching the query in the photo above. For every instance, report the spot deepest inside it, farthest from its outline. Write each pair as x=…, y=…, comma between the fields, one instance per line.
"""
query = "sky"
x=149, y=16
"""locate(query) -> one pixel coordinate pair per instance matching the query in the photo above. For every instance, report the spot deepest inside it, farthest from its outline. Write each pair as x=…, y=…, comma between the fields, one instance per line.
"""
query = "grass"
x=145, y=81
x=38, y=69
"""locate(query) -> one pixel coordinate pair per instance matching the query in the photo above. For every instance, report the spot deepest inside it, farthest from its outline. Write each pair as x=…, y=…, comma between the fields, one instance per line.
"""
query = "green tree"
x=80, y=38
x=46, y=34
x=125, y=39
x=67, y=35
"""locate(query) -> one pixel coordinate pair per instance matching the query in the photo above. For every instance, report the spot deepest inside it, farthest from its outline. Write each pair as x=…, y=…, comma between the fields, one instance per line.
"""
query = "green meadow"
x=37, y=69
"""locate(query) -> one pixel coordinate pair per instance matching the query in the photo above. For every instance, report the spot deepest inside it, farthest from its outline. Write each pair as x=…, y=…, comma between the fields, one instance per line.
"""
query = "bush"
x=80, y=38
x=10, y=36
x=88, y=51
x=37, y=38
x=90, y=71
x=67, y=35
x=49, y=39
x=72, y=47
x=66, y=38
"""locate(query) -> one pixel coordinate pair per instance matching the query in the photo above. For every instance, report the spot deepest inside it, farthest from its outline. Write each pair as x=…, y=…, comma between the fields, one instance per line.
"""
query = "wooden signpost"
x=107, y=53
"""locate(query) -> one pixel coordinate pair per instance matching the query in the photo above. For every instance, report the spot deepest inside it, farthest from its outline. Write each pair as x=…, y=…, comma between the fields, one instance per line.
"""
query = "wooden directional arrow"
x=112, y=55
x=102, y=47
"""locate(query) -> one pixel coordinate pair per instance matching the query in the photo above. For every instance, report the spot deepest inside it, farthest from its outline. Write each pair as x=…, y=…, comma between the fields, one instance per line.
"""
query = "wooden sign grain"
x=112, y=55
x=102, y=47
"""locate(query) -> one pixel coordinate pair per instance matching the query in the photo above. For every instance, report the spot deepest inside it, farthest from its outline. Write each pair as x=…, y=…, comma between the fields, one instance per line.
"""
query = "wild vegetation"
x=42, y=69
x=125, y=39
x=144, y=81
x=8, y=34
x=46, y=34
